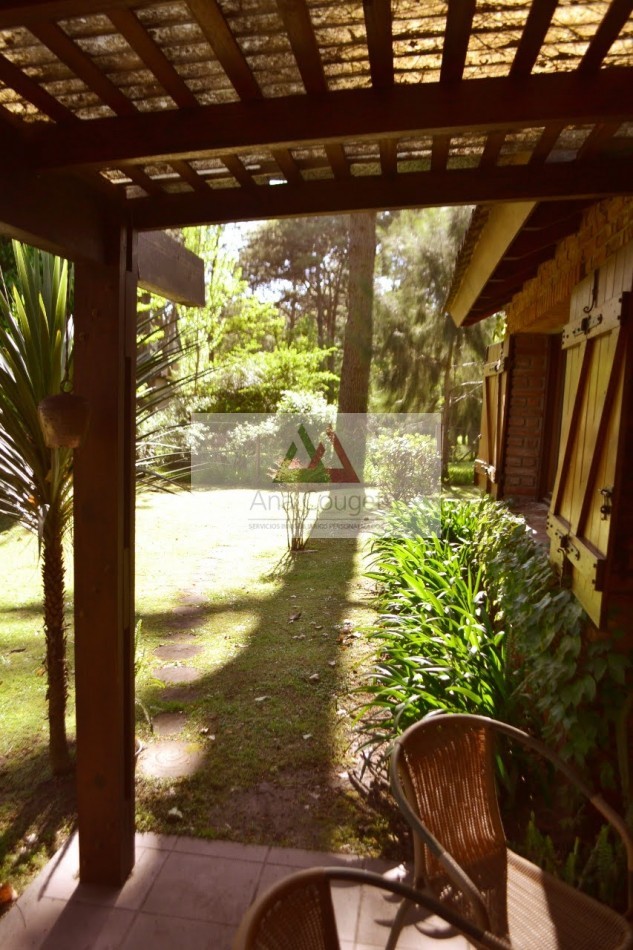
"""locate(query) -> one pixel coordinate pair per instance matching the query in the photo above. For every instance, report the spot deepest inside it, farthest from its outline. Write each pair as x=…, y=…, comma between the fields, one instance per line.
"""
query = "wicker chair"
x=298, y=913
x=442, y=776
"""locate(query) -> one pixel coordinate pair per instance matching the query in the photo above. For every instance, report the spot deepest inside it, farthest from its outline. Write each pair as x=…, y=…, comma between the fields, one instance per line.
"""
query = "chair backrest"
x=296, y=914
x=446, y=768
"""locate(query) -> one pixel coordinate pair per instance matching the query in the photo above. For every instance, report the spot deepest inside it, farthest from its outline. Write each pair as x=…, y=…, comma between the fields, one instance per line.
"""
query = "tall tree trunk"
x=447, y=386
x=55, y=634
x=357, y=346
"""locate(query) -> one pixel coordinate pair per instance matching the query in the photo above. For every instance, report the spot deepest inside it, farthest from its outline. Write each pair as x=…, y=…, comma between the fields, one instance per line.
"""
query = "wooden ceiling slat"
x=546, y=143
x=188, y=174
x=52, y=36
x=599, y=136
x=152, y=55
x=33, y=92
x=536, y=27
x=476, y=105
x=19, y=12
x=68, y=52
x=389, y=156
x=492, y=149
x=9, y=120
x=586, y=180
x=212, y=23
x=379, y=27
x=236, y=167
x=298, y=25
x=143, y=180
x=439, y=152
x=287, y=165
x=614, y=19
x=459, y=21
x=338, y=160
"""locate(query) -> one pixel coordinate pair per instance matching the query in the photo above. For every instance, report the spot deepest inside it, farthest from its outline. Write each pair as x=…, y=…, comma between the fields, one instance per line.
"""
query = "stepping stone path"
x=178, y=674
x=177, y=651
x=171, y=758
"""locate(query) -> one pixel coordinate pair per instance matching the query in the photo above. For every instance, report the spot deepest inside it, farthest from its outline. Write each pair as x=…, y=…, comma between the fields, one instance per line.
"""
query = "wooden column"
x=105, y=317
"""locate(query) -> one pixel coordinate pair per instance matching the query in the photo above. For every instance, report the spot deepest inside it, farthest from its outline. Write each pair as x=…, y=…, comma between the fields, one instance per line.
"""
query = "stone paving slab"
x=190, y=893
x=177, y=651
x=168, y=724
x=170, y=758
x=178, y=674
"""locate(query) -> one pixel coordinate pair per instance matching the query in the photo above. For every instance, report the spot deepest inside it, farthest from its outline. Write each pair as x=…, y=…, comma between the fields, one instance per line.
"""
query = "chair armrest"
x=453, y=869
x=476, y=932
x=246, y=937
x=615, y=820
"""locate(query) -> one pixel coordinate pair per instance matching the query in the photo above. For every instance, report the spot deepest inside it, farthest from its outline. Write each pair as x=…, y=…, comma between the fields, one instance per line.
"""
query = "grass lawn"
x=272, y=738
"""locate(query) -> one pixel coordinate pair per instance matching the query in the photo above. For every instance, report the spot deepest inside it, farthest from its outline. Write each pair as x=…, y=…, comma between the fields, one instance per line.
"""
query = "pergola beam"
x=168, y=269
x=413, y=190
x=500, y=230
x=475, y=105
x=58, y=214
x=18, y=12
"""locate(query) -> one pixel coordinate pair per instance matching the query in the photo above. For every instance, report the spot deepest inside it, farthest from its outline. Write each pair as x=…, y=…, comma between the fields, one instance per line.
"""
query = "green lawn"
x=273, y=769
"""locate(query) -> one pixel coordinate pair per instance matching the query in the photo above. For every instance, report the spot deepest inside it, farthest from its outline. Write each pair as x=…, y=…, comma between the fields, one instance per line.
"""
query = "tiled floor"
x=189, y=894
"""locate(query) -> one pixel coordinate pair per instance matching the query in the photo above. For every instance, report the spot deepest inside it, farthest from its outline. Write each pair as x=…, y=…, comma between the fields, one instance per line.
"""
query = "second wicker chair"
x=443, y=777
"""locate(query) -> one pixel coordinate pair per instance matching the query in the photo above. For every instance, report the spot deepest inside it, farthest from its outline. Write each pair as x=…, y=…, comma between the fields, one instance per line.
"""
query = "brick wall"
x=526, y=415
x=543, y=301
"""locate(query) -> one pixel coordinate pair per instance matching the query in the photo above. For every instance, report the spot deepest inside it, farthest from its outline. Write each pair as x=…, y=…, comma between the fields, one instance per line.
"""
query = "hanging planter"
x=63, y=420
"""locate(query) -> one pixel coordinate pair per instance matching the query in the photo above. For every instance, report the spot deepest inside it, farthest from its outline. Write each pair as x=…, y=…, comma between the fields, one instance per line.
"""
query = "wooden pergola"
x=119, y=117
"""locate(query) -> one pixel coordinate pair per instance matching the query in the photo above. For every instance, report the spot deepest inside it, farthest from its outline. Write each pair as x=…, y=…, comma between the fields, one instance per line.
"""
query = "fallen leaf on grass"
x=295, y=616
x=261, y=699
x=175, y=814
x=314, y=678
x=8, y=894
x=307, y=736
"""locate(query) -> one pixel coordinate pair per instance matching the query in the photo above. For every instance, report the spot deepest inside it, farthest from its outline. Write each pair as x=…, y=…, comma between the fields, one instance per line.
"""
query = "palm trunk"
x=55, y=633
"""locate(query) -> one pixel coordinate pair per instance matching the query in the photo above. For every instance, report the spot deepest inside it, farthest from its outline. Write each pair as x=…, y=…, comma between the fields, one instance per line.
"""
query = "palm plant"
x=35, y=481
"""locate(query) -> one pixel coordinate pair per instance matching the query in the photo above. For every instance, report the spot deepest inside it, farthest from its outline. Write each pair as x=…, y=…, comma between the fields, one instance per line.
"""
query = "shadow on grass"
x=32, y=608
x=271, y=768
x=46, y=812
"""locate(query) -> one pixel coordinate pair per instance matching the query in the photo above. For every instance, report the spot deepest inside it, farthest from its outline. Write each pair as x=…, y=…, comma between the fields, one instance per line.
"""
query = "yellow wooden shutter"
x=579, y=523
x=494, y=419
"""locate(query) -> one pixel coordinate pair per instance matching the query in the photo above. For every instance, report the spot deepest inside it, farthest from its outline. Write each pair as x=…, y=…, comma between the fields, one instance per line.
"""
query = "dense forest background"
x=289, y=301
x=280, y=296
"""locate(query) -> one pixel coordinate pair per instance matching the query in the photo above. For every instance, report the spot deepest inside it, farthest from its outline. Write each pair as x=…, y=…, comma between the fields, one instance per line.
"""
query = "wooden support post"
x=105, y=312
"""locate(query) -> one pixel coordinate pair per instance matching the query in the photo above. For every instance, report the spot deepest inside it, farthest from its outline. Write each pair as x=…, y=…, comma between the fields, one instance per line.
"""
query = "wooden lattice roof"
x=215, y=110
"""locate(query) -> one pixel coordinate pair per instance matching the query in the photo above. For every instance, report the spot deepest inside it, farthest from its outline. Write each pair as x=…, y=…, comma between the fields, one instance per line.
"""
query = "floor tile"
x=232, y=850
x=64, y=882
x=297, y=858
x=196, y=887
x=147, y=839
x=65, y=925
x=157, y=932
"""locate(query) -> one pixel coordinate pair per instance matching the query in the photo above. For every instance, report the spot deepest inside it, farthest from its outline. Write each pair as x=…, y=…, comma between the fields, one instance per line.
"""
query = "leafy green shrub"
x=570, y=688
x=461, y=473
x=256, y=382
x=598, y=868
x=438, y=646
x=405, y=465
